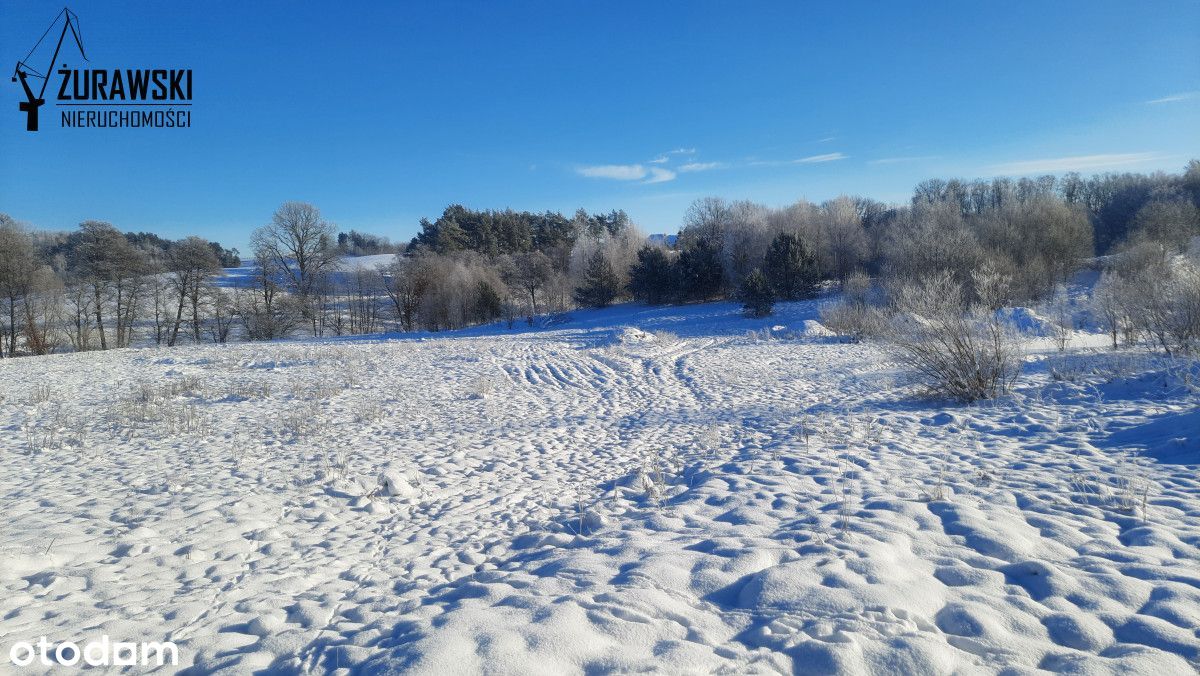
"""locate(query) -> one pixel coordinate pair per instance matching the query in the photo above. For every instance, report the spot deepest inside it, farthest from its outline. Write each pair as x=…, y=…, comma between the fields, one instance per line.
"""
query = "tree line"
x=97, y=288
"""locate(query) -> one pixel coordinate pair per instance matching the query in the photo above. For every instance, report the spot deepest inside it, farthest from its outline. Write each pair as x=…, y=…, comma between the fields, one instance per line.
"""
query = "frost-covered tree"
x=532, y=272
x=18, y=261
x=705, y=219
x=745, y=237
x=191, y=264
x=300, y=245
x=406, y=280
x=41, y=323
x=114, y=271
x=618, y=245
x=1061, y=317
x=1107, y=304
x=1172, y=220
x=845, y=241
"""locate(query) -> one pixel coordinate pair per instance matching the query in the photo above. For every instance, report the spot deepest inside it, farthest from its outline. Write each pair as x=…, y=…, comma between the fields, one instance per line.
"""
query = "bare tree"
x=191, y=263
x=961, y=349
x=78, y=308
x=224, y=311
x=405, y=283
x=264, y=309
x=744, y=240
x=705, y=218
x=301, y=245
x=18, y=261
x=844, y=241
x=112, y=268
x=533, y=271
x=1173, y=220
x=363, y=300
x=43, y=311
x=1061, y=317
x=159, y=288
x=1106, y=304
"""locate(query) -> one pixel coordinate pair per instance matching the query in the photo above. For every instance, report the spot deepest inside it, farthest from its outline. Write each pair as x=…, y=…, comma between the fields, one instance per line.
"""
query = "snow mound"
x=812, y=328
x=635, y=336
x=396, y=484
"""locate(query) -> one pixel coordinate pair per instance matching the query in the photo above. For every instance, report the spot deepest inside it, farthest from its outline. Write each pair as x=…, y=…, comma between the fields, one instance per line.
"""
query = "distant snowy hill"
x=243, y=276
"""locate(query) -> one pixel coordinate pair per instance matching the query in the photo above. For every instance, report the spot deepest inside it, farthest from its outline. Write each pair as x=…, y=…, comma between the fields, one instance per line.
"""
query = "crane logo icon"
x=24, y=72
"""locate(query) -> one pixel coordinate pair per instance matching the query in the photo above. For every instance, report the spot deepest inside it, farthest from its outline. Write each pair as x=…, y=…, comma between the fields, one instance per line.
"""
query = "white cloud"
x=617, y=172
x=1182, y=96
x=898, y=160
x=656, y=171
x=827, y=157
x=701, y=166
x=663, y=158
x=660, y=175
x=1074, y=163
x=812, y=159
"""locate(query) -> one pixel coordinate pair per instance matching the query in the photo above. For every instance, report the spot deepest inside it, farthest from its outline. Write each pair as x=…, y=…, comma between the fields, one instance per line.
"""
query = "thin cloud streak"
x=827, y=157
x=655, y=172
x=812, y=159
x=701, y=166
x=1182, y=96
x=663, y=158
x=616, y=172
x=1074, y=163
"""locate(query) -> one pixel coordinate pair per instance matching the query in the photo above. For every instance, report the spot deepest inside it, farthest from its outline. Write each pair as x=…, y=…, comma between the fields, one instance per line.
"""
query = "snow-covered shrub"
x=481, y=388
x=1108, y=305
x=367, y=411
x=853, y=320
x=856, y=315
x=1061, y=318
x=961, y=349
x=1162, y=297
x=664, y=337
x=41, y=394
x=1182, y=312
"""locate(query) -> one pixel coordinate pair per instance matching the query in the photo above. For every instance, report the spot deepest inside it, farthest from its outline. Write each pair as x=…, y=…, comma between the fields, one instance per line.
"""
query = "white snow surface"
x=640, y=489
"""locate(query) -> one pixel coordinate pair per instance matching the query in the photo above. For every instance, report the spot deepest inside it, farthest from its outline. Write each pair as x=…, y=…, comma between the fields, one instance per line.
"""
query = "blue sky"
x=381, y=113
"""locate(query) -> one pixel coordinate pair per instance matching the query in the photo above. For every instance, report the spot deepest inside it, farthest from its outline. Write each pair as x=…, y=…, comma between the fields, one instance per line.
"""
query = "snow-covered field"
x=602, y=495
